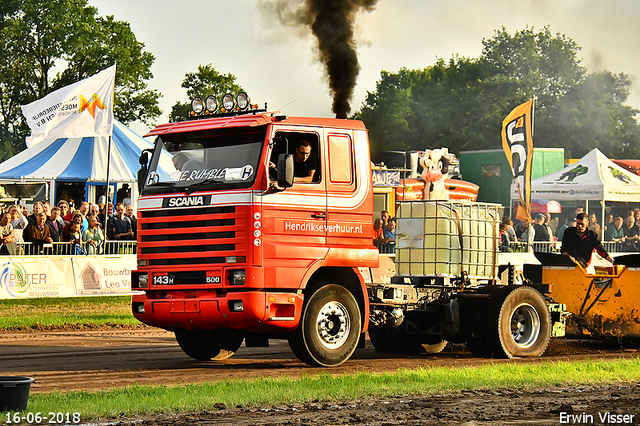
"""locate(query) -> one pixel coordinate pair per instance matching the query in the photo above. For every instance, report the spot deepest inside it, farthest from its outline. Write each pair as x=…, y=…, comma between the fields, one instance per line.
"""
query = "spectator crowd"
x=621, y=232
x=63, y=223
x=384, y=233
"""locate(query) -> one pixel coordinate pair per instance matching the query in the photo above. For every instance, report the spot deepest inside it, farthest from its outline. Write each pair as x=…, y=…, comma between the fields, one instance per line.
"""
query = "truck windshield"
x=221, y=158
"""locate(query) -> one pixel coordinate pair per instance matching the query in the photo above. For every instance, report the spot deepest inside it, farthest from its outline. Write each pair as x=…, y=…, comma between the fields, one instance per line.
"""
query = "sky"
x=276, y=64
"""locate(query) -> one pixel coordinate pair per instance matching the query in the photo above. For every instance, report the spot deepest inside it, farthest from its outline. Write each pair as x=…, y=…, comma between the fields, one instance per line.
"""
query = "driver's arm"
x=305, y=179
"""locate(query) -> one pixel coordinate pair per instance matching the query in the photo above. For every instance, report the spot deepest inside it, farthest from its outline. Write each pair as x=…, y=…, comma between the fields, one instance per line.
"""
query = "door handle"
x=318, y=215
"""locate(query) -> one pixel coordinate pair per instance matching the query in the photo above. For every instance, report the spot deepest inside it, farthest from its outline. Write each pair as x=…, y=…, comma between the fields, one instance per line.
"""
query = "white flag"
x=81, y=109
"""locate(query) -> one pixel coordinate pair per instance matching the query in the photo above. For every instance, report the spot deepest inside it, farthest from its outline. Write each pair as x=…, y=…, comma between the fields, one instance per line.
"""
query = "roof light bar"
x=229, y=105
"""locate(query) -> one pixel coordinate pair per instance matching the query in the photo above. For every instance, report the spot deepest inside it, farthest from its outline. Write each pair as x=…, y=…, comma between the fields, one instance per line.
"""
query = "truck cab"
x=231, y=249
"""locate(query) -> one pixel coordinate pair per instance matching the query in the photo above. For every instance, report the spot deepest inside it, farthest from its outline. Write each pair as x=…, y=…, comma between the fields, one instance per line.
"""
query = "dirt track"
x=89, y=360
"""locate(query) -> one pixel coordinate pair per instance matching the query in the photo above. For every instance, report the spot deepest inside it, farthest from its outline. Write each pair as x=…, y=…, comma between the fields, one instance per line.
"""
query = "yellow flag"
x=517, y=142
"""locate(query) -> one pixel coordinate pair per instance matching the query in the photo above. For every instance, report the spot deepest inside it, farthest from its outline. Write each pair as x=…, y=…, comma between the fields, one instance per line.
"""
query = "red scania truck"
x=232, y=249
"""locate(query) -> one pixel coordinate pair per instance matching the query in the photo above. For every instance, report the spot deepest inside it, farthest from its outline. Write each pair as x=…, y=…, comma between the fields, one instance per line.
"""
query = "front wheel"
x=205, y=345
x=329, y=329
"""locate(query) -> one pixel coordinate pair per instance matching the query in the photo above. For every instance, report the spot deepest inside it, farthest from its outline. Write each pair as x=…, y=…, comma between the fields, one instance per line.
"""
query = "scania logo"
x=186, y=201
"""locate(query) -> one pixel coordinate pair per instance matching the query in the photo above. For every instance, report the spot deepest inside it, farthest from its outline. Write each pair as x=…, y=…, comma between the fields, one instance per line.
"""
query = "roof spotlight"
x=212, y=103
x=228, y=102
x=242, y=100
x=197, y=105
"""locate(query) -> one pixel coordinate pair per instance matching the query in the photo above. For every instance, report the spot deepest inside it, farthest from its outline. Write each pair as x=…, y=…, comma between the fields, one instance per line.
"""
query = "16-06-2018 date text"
x=42, y=418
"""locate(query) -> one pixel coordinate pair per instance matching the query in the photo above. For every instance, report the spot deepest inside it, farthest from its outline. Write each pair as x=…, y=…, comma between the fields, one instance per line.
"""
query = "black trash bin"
x=14, y=392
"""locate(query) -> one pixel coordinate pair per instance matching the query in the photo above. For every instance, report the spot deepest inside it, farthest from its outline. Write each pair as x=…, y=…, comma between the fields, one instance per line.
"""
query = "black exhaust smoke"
x=332, y=22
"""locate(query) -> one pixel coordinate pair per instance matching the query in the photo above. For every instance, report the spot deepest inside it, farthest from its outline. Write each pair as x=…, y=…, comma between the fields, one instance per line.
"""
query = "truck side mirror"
x=285, y=170
x=144, y=158
x=142, y=173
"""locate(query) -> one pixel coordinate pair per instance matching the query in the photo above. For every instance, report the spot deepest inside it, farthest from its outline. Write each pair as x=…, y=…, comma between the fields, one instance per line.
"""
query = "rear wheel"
x=329, y=329
x=514, y=322
x=205, y=345
x=379, y=339
x=476, y=323
x=524, y=326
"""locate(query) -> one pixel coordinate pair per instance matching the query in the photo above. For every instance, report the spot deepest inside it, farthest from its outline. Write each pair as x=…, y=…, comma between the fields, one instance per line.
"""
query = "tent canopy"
x=593, y=177
x=78, y=159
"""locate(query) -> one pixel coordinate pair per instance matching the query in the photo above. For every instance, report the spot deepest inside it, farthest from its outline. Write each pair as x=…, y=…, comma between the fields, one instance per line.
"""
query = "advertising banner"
x=517, y=142
x=65, y=276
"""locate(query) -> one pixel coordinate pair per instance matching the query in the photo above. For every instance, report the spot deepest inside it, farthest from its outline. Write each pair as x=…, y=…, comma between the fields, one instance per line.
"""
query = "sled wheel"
x=205, y=345
x=329, y=329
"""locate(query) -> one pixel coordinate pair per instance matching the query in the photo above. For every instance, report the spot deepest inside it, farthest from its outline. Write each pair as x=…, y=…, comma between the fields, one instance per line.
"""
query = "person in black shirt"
x=631, y=235
x=579, y=242
x=119, y=227
x=306, y=163
x=542, y=231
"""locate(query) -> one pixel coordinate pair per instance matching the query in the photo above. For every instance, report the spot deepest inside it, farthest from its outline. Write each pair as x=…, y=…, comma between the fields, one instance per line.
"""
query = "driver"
x=184, y=163
x=579, y=242
x=179, y=159
x=306, y=163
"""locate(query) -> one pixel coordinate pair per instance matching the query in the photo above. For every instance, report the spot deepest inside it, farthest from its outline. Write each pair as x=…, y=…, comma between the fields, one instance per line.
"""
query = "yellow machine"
x=604, y=303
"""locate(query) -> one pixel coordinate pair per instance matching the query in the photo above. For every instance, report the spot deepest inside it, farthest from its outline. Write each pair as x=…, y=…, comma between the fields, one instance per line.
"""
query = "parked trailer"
x=603, y=301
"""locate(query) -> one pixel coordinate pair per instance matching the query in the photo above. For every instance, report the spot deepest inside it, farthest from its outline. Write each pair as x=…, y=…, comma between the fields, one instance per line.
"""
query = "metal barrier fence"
x=554, y=247
x=68, y=249
x=130, y=247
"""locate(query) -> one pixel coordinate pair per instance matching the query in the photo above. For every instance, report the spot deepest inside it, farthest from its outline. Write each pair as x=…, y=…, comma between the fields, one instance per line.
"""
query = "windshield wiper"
x=215, y=183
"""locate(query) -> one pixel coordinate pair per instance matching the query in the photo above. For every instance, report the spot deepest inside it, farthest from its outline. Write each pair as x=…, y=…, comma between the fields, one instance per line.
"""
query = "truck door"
x=295, y=220
x=349, y=211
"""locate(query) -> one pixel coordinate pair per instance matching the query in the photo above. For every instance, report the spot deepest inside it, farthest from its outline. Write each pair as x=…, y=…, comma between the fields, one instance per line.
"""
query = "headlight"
x=237, y=277
x=212, y=104
x=138, y=308
x=197, y=105
x=228, y=102
x=143, y=280
x=242, y=101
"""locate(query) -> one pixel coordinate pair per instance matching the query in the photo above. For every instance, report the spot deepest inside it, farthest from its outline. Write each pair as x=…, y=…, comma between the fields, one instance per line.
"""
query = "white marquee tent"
x=593, y=177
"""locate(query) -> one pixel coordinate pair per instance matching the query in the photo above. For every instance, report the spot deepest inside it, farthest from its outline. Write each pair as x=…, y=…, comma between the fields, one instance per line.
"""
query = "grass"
x=141, y=400
x=146, y=400
x=47, y=312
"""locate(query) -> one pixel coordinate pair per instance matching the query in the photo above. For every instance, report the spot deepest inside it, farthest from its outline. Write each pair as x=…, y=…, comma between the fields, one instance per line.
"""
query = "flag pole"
x=106, y=201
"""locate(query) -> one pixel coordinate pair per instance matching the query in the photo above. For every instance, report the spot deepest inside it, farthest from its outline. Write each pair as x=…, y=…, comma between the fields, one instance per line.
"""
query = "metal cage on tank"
x=447, y=239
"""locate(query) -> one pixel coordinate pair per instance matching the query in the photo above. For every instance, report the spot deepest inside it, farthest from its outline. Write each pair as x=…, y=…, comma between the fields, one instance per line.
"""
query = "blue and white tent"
x=79, y=160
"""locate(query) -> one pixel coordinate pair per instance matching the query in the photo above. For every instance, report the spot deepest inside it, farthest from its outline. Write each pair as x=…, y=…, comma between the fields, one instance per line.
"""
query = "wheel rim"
x=333, y=324
x=525, y=325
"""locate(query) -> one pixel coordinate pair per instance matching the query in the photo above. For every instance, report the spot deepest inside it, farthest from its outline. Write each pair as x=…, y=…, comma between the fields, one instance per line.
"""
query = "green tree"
x=48, y=44
x=442, y=105
x=532, y=64
x=461, y=103
x=592, y=115
x=205, y=82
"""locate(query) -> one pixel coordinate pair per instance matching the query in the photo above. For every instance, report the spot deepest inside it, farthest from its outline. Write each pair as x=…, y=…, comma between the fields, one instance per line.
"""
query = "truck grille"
x=191, y=236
